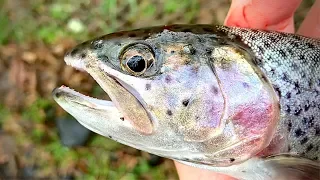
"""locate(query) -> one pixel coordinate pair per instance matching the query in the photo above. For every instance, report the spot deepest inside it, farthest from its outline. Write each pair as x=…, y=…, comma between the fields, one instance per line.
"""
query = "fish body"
x=243, y=102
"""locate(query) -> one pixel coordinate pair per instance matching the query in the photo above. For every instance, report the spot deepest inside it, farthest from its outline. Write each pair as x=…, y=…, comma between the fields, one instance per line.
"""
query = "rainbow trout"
x=242, y=102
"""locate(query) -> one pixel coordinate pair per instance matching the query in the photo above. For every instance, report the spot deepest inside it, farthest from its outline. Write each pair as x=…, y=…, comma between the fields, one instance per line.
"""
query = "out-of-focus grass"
x=49, y=21
x=4, y=114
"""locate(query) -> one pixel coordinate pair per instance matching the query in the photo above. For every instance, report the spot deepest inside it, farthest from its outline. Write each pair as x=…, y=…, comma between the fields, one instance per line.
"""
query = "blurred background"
x=37, y=138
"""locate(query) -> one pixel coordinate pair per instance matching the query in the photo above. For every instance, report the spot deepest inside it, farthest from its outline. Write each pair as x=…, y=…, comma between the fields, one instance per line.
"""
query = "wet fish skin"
x=292, y=64
x=289, y=62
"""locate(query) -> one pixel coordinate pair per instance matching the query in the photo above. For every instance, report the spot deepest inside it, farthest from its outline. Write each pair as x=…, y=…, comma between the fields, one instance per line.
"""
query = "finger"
x=311, y=24
x=190, y=173
x=263, y=14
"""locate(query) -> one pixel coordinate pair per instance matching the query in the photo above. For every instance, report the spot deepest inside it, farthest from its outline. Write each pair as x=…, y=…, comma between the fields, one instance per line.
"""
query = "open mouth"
x=71, y=95
x=124, y=97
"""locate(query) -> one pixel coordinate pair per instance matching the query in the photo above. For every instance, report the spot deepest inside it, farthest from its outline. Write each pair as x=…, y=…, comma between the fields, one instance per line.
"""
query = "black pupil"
x=136, y=63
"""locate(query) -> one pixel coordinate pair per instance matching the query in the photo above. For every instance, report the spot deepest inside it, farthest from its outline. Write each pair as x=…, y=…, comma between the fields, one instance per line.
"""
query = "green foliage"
x=172, y=6
x=61, y=11
x=105, y=143
x=37, y=134
x=59, y=152
x=4, y=114
x=36, y=111
x=5, y=28
x=149, y=10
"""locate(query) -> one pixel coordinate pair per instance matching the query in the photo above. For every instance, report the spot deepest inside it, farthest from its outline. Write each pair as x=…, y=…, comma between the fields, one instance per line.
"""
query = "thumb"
x=263, y=14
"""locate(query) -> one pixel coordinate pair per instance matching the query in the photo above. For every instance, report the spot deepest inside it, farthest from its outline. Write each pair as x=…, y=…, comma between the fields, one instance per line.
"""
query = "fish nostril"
x=57, y=93
x=73, y=52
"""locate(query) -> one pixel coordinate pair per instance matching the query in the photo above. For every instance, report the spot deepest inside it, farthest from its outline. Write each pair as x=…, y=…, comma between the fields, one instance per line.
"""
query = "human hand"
x=261, y=14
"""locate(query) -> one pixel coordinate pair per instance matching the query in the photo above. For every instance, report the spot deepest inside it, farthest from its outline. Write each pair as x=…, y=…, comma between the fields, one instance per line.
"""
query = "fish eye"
x=136, y=59
x=136, y=64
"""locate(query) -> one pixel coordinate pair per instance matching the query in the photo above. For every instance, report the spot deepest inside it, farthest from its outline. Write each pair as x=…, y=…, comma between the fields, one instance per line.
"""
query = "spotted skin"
x=292, y=63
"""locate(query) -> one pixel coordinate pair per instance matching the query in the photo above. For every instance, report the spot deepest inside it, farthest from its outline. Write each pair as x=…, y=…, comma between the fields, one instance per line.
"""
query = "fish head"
x=172, y=97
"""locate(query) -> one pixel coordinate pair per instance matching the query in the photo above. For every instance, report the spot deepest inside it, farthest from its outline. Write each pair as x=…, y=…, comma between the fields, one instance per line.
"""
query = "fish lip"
x=65, y=93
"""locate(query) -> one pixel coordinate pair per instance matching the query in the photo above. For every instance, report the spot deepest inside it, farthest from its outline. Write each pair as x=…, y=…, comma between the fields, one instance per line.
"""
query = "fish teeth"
x=73, y=91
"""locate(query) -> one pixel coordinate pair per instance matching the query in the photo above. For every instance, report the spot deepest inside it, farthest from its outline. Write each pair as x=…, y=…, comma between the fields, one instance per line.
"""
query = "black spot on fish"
x=311, y=46
x=311, y=121
x=272, y=39
x=232, y=159
x=122, y=118
x=215, y=90
x=185, y=102
x=298, y=110
x=261, y=49
x=282, y=53
x=302, y=58
x=169, y=112
x=296, y=37
x=245, y=85
x=295, y=44
x=168, y=79
x=266, y=44
x=110, y=137
x=287, y=109
x=285, y=77
x=298, y=132
x=307, y=106
x=304, y=140
x=148, y=86
x=315, y=158
x=273, y=71
x=172, y=51
x=288, y=95
x=289, y=126
x=253, y=38
x=243, y=30
x=297, y=87
x=208, y=51
x=310, y=83
x=290, y=51
x=309, y=148
x=305, y=120
x=289, y=148
x=255, y=31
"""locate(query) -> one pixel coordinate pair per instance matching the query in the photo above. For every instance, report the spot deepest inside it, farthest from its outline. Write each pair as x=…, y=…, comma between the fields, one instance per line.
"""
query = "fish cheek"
x=191, y=102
